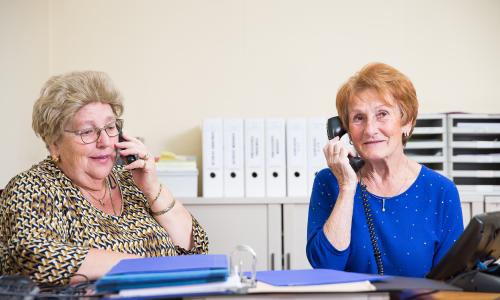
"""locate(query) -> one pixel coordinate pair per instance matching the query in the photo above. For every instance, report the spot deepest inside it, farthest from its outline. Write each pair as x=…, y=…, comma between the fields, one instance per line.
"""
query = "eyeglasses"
x=91, y=135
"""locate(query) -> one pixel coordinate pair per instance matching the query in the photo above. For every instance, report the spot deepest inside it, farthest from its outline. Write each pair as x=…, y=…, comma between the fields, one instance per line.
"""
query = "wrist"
x=164, y=205
x=152, y=199
x=348, y=187
x=156, y=213
x=164, y=198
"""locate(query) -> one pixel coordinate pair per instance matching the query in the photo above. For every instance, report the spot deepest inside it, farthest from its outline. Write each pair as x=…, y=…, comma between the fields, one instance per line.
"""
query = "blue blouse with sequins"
x=415, y=230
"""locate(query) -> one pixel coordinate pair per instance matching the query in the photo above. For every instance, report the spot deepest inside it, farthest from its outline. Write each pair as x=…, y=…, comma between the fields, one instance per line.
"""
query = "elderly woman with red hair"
x=394, y=216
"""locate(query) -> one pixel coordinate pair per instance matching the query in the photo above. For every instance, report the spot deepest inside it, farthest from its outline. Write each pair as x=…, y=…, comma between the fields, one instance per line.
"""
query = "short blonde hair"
x=63, y=95
x=385, y=80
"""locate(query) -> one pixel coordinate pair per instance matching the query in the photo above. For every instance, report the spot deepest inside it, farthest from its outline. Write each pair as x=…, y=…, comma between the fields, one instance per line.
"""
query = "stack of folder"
x=189, y=275
x=268, y=282
x=203, y=275
x=164, y=271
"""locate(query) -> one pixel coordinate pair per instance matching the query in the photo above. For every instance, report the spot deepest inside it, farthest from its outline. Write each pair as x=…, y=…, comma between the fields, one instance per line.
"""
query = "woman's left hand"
x=144, y=168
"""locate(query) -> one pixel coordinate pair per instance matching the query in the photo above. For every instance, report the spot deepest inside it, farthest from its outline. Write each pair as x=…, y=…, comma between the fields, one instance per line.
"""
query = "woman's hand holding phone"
x=336, y=155
x=333, y=129
x=143, y=166
x=129, y=158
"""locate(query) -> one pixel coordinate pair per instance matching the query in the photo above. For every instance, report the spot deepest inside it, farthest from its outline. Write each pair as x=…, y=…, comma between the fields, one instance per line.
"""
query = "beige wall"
x=178, y=62
x=24, y=65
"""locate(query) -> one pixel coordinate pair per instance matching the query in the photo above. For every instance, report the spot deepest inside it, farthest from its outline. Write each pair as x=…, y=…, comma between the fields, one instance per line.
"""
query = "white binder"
x=212, y=139
x=296, y=157
x=316, y=140
x=275, y=158
x=233, y=158
x=255, y=182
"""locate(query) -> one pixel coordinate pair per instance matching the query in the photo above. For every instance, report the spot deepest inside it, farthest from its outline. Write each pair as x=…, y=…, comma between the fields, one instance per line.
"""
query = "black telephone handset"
x=129, y=158
x=334, y=128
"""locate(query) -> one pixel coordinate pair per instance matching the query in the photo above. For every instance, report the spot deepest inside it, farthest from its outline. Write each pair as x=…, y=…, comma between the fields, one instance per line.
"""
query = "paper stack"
x=179, y=173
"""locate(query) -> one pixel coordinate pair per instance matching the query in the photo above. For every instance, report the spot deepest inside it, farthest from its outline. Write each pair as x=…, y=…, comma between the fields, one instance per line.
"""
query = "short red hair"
x=385, y=80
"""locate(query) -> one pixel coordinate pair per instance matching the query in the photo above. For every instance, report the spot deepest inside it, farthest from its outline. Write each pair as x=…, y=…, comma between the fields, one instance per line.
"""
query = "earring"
x=350, y=140
x=55, y=158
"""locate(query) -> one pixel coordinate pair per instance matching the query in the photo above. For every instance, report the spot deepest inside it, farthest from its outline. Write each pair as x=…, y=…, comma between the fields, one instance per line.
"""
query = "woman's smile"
x=101, y=158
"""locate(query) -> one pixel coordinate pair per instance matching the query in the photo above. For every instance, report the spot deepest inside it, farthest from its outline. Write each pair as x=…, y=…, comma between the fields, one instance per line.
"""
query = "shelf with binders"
x=428, y=143
x=474, y=146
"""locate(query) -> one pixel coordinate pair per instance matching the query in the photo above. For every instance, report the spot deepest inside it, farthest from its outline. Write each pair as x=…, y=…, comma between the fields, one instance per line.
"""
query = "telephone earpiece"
x=334, y=128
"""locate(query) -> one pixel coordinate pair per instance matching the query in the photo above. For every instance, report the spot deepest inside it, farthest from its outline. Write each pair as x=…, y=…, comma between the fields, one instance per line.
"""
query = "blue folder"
x=164, y=271
x=313, y=277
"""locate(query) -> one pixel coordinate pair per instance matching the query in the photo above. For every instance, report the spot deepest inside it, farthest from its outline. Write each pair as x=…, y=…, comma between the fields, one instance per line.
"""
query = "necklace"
x=115, y=184
x=380, y=198
x=110, y=195
x=107, y=188
x=398, y=192
x=100, y=200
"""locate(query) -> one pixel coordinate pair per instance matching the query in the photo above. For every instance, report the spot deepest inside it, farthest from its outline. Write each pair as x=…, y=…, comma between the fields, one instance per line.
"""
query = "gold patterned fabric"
x=47, y=227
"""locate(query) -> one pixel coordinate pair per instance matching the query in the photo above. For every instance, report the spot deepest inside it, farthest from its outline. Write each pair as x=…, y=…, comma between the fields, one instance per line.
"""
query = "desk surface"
x=443, y=295
x=463, y=296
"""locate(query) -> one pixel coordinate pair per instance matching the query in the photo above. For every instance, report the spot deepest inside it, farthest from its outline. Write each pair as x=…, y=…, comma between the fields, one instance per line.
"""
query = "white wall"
x=180, y=61
x=24, y=46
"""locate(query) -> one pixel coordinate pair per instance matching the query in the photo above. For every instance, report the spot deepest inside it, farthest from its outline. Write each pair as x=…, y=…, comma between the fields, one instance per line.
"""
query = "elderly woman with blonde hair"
x=78, y=212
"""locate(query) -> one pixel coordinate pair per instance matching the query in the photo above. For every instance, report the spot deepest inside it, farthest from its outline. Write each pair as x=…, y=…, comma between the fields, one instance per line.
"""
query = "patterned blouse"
x=47, y=226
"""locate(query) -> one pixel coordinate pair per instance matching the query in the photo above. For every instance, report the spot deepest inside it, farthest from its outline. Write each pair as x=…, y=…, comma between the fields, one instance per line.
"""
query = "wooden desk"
x=462, y=296
x=448, y=295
